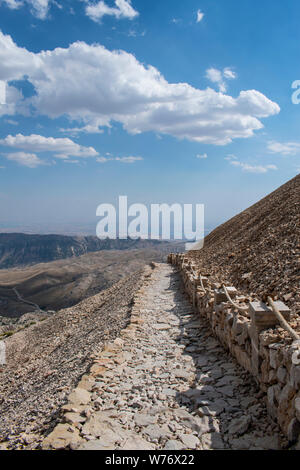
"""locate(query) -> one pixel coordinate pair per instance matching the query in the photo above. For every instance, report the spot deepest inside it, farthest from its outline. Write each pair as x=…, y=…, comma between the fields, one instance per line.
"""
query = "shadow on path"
x=223, y=397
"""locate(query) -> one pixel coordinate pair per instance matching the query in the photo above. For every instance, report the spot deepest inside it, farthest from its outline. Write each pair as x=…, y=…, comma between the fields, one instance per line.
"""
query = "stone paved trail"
x=172, y=386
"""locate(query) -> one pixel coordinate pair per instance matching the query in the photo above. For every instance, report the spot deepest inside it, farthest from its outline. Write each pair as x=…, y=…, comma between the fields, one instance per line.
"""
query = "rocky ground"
x=10, y=326
x=165, y=384
x=47, y=359
x=258, y=251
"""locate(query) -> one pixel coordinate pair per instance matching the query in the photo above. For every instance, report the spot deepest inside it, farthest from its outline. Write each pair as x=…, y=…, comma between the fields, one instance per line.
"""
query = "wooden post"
x=282, y=321
x=220, y=295
x=262, y=318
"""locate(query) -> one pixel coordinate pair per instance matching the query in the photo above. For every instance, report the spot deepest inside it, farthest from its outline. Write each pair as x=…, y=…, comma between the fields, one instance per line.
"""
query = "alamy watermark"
x=164, y=222
x=2, y=353
x=296, y=94
x=2, y=93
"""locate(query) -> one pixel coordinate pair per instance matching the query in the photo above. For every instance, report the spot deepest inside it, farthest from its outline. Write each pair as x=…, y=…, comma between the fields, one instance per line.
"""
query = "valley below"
x=64, y=283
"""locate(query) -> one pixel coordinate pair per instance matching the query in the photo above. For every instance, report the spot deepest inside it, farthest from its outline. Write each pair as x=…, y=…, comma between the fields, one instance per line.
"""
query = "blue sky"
x=164, y=102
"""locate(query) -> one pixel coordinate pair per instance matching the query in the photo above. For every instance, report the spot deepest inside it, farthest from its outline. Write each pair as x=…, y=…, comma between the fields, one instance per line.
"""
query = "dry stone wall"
x=255, y=339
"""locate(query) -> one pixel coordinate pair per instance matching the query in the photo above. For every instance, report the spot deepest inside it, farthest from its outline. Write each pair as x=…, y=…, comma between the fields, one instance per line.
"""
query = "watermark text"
x=2, y=93
x=164, y=222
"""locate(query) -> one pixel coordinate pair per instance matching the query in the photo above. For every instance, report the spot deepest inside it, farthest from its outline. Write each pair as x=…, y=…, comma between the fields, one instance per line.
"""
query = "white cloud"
x=13, y=4
x=214, y=75
x=62, y=148
x=88, y=129
x=128, y=160
x=103, y=159
x=230, y=157
x=229, y=74
x=11, y=122
x=18, y=61
x=133, y=34
x=106, y=86
x=288, y=148
x=200, y=16
x=14, y=102
x=122, y=9
x=219, y=77
x=253, y=168
x=72, y=162
x=25, y=159
x=39, y=8
x=202, y=157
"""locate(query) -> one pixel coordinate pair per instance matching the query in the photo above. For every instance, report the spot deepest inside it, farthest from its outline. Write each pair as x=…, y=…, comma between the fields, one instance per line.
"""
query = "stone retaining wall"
x=267, y=353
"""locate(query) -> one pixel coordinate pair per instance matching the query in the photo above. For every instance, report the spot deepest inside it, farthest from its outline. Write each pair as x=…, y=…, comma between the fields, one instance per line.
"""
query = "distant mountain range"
x=18, y=249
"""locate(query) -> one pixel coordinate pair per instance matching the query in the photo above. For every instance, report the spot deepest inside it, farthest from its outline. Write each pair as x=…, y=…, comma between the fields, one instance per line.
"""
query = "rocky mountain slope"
x=259, y=249
x=18, y=249
x=45, y=361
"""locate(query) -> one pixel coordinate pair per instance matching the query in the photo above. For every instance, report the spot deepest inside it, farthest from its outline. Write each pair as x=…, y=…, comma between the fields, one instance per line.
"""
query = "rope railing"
x=273, y=306
x=201, y=283
x=200, y=278
x=282, y=320
x=238, y=307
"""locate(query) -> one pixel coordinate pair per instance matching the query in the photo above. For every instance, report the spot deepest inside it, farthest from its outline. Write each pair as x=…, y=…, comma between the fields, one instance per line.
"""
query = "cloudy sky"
x=165, y=102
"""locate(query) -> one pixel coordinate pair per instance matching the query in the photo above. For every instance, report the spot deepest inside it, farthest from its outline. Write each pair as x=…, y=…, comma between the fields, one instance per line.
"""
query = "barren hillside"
x=259, y=249
x=64, y=283
x=47, y=360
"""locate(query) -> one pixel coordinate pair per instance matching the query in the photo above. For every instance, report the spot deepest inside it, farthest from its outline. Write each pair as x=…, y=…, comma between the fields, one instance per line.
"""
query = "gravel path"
x=168, y=384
